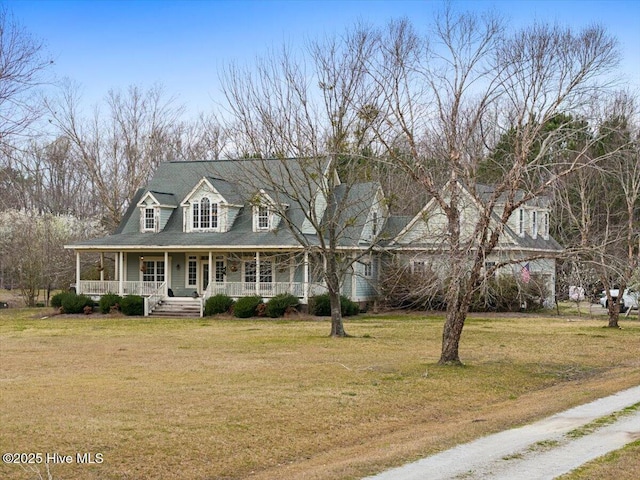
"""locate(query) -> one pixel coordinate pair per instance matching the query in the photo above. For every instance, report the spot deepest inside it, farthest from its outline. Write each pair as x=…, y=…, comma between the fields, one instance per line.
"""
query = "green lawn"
x=228, y=398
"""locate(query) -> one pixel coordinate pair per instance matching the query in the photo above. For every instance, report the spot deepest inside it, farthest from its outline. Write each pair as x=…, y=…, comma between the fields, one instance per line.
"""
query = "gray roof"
x=349, y=210
x=164, y=198
x=237, y=181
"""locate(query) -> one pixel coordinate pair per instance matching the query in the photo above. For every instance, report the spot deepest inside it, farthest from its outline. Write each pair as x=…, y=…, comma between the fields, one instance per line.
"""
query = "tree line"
x=467, y=101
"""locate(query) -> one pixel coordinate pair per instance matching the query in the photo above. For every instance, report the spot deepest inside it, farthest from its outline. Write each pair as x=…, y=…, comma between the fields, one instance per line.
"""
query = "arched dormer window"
x=204, y=214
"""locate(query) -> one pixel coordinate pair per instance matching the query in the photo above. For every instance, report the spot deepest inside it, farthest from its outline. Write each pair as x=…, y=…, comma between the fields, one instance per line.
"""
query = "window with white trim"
x=367, y=269
x=266, y=271
x=250, y=273
x=153, y=271
x=149, y=219
x=204, y=214
x=192, y=271
x=545, y=233
x=534, y=224
x=521, y=222
x=263, y=217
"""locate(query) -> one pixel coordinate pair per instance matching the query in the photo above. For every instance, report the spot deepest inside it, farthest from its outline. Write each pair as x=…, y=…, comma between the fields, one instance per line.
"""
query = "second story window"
x=263, y=218
x=521, y=222
x=534, y=224
x=374, y=227
x=204, y=215
x=149, y=219
x=545, y=233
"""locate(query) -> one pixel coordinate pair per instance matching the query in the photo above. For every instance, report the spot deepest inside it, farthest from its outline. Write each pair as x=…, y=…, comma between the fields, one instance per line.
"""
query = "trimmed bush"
x=56, y=300
x=277, y=306
x=109, y=301
x=220, y=303
x=132, y=305
x=73, y=303
x=247, y=307
x=320, y=305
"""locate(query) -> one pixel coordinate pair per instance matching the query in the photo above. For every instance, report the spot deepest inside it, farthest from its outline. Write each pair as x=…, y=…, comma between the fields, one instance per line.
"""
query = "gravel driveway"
x=542, y=450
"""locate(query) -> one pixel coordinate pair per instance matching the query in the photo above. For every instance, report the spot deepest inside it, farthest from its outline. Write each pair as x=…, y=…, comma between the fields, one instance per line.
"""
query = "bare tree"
x=317, y=110
x=119, y=149
x=22, y=69
x=449, y=102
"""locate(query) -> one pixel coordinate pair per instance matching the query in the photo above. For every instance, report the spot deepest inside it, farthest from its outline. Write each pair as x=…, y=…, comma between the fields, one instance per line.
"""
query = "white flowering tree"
x=32, y=250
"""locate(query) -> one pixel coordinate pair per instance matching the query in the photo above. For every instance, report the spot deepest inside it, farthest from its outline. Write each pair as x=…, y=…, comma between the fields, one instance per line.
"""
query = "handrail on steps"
x=154, y=299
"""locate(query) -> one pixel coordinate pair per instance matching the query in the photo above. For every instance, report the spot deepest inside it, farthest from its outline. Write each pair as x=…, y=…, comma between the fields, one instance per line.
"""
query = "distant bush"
x=509, y=294
x=132, y=305
x=320, y=305
x=220, y=303
x=278, y=305
x=247, y=307
x=109, y=302
x=426, y=291
x=73, y=303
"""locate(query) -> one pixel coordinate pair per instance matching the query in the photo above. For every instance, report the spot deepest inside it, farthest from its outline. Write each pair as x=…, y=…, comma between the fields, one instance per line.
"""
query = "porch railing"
x=233, y=289
x=264, y=290
x=154, y=299
x=100, y=287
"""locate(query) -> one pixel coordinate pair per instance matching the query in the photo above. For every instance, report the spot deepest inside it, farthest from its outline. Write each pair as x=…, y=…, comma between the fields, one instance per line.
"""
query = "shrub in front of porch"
x=132, y=305
x=220, y=303
x=320, y=305
x=247, y=307
x=57, y=299
x=72, y=303
x=278, y=305
x=110, y=302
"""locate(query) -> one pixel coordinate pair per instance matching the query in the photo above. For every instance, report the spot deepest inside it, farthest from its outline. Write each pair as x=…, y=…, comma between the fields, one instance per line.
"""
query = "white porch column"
x=257, y=273
x=354, y=274
x=78, y=272
x=167, y=273
x=102, y=266
x=211, y=267
x=306, y=277
x=120, y=273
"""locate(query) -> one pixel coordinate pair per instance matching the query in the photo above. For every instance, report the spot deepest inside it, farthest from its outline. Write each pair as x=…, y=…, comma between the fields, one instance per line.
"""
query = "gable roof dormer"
x=266, y=211
x=211, y=206
x=155, y=210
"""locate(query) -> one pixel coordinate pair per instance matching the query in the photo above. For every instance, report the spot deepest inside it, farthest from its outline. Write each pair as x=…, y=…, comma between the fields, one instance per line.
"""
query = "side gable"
x=429, y=226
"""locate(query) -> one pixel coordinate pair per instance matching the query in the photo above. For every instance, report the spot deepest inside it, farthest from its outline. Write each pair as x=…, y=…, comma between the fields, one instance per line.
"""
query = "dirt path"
x=542, y=450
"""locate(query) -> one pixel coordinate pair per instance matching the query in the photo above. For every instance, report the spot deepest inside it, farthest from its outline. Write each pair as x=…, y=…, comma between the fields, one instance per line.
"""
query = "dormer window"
x=204, y=214
x=521, y=222
x=263, y=217
x=545, y=232
x=534, y=224
x=149, y=219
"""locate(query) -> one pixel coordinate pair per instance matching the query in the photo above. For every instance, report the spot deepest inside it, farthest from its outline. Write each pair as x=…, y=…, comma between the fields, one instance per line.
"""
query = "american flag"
x=526, y=273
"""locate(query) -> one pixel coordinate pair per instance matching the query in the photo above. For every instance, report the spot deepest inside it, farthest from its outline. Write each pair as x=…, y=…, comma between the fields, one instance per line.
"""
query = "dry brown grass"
x=223, y=398
x=623, y=464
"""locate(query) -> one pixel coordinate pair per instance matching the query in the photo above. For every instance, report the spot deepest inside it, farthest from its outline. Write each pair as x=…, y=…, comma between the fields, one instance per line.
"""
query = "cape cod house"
x=197, y=229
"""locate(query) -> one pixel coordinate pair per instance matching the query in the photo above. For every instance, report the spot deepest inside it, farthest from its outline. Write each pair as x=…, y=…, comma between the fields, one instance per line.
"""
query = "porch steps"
x=177, y=307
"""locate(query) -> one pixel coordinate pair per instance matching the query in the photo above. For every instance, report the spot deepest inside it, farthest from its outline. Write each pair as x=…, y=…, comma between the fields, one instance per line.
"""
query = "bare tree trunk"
x=451, y=334
x=614, y=313
x=333, y=285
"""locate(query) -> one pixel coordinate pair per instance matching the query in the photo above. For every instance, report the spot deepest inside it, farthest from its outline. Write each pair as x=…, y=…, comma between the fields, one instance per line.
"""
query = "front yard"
x=228, y=398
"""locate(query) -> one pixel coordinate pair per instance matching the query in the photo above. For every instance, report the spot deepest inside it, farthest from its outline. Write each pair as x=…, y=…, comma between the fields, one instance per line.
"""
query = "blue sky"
x=183, y=44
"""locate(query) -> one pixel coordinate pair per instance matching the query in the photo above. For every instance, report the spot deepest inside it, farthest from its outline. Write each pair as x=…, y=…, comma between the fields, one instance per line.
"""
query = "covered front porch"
x=158, y=276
